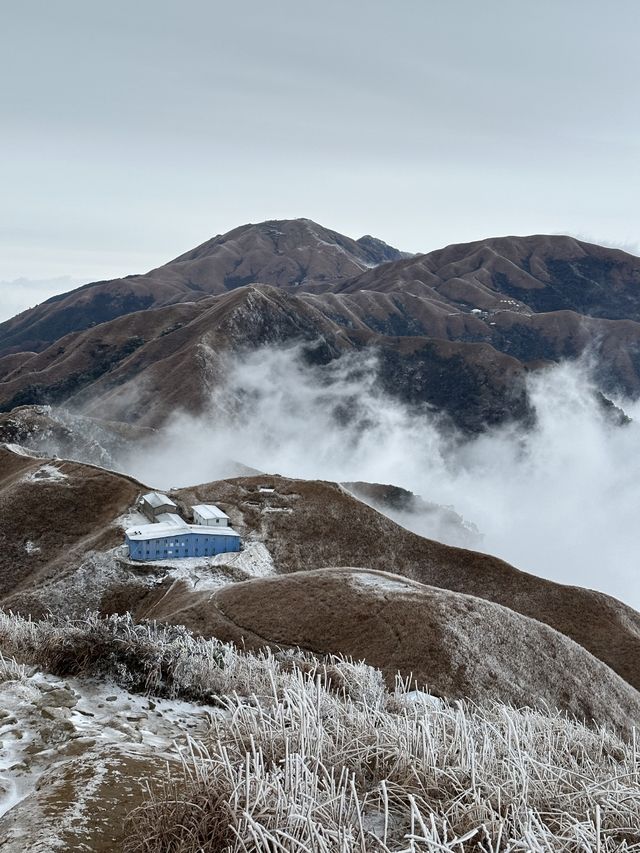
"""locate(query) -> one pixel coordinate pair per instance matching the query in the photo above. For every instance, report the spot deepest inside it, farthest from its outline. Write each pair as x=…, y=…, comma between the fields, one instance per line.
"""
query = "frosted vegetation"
x=304, y=755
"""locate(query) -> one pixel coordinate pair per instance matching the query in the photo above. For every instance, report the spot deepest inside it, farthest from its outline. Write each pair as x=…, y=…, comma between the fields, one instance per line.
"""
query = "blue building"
x=172, y=538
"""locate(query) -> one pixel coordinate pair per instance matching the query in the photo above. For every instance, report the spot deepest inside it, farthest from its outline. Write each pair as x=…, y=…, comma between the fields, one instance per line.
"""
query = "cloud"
x=559, y=500
x=23, y=293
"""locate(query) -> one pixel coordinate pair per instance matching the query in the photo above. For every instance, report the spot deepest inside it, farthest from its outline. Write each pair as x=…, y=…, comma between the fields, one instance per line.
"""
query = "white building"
x=208, y=515
x=154, y=504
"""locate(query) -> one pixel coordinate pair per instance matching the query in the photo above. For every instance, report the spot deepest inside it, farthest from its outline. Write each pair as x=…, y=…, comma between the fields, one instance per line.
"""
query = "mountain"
x=306, y=525
x=291, y=254
x=416, y=514
x=536, y=274
x=537, y=299
x=457, y=329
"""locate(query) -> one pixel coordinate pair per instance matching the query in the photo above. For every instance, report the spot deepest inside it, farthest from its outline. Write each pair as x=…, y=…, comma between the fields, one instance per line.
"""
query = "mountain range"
x=113, y=672
x=457, y=329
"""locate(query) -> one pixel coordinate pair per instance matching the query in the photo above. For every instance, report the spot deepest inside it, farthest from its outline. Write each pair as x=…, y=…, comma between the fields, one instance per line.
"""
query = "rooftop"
x=169, y=530
x=209, y=511
x=156, y=499
x=170, y=518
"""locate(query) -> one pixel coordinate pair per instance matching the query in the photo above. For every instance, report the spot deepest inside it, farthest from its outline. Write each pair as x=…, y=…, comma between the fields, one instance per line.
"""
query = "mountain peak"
x=282, y=252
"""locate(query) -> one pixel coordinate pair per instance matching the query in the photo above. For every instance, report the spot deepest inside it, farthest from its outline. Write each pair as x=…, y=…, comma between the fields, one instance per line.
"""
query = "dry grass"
x=307, y=755
x=161, y=660
x=306, y=770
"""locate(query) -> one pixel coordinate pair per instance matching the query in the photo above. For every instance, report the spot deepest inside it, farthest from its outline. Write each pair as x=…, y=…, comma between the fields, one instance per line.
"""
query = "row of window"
x=182, y=543
x=206, y=552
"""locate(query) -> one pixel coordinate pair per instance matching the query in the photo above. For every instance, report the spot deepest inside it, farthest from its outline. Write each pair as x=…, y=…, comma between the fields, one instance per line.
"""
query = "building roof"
x=156, y=499
x=171, y=531
x=209, y=511
x=170, y=518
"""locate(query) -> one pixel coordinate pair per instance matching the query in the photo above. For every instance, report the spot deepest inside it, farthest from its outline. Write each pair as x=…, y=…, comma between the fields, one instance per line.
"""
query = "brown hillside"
x=541, y=272
x=287, y=253
x=455, y=328
x=140, y=367
x=52, y=513
x=310, y=524
x=458, y=645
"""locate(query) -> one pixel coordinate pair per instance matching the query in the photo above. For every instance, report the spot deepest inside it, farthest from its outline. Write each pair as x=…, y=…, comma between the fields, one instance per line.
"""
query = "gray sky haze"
x=134, y=131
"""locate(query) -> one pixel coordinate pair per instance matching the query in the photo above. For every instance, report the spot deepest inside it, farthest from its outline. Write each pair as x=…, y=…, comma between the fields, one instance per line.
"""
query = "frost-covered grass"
x=306, y=755
x=11, y=670
x=310, y=769
x=160, y=660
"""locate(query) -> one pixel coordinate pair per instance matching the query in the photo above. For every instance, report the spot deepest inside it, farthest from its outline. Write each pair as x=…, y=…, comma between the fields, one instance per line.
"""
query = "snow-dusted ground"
x=19, y=450
x=46, y=473
x=132, y=518
x=44, y=721
x=380, y=582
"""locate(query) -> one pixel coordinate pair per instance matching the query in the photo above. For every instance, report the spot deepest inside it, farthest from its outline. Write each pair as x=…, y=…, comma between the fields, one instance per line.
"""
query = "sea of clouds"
x=560, y=499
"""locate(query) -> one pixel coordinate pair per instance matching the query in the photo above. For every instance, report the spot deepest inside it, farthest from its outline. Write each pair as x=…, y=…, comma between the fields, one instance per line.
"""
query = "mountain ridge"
x=458, y=328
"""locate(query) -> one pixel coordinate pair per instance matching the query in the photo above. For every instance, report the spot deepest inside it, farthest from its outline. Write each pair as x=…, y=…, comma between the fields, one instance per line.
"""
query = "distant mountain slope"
x=540, y=273
x=145, y=365
x=459, y=646
x=292, y=254
x=538, y=298
x=457, y=328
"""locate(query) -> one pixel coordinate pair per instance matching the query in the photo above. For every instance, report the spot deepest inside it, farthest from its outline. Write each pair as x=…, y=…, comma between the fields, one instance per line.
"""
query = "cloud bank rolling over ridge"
x=559, y=499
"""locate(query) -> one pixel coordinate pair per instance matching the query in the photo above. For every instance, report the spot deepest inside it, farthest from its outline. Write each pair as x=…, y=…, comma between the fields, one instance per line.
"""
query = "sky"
x=134, y=131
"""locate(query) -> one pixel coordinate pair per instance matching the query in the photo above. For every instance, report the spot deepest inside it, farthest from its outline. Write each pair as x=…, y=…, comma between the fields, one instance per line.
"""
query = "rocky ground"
x=77, y=756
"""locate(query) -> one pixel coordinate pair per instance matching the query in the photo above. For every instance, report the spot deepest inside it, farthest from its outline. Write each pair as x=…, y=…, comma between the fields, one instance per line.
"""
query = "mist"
x=559, y=500
x=22, y=293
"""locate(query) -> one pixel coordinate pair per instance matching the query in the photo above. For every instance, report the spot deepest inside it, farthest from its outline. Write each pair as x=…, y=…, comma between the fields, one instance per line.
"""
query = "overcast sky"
x=132, y=131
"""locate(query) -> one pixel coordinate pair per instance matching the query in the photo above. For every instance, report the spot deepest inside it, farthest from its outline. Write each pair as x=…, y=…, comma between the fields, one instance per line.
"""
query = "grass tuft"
x=307, y=755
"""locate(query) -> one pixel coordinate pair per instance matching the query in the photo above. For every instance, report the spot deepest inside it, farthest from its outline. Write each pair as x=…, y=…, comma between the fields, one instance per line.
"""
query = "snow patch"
x=419, y=697
x=103, y=715
x=31, y=548
x=46, y=474
x=20, y=450
x=380, y=582
x=132, y=518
